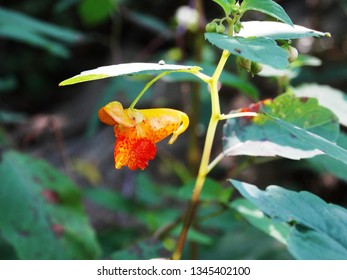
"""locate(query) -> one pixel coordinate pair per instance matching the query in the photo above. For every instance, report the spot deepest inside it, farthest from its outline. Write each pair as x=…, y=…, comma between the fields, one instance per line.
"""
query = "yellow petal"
x=162, y=122
x=114, y=113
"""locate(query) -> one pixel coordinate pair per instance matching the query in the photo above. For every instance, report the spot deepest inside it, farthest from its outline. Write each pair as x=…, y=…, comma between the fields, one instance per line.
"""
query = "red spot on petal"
x=134, y=153
x=143, y=151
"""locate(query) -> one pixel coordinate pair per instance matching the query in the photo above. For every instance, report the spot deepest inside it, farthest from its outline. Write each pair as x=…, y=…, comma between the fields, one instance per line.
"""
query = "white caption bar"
x=164, y=269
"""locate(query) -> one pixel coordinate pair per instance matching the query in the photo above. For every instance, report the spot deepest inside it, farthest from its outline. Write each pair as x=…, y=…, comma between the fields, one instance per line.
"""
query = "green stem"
x=203, y=170
x=147, y=86
x=200, y=75
x=215, y=162
x=224, y=117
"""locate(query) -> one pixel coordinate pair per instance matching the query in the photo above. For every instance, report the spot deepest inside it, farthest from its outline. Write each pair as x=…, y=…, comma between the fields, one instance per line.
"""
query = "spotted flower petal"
x=137, y=132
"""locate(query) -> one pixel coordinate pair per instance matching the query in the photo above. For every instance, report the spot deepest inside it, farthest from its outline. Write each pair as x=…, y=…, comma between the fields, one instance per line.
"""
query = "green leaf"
x=305, y=113
x=307, y=244
x=41, y=211
x=236, y=239
x=294, y=68
x=254, y=216
x=326, y=164
x=29, y=24
x=277, y=30
x=257, y=49
x=268, y=7
x=319, y=229
x=226, y=5
x=23, y=28
x=263, y=136
x=31, y=38
x=331, y=98
x=126, y=69
x=315, y=141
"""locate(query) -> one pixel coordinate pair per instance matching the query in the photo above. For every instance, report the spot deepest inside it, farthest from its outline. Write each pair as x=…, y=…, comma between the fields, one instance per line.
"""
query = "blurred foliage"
x=96, y=11
x=40, y=206
x=86, y=213
x=17, y=26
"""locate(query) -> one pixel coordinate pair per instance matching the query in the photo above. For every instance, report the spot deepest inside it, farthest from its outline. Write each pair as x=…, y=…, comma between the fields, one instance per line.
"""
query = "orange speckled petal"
x=159, y=123
x=134, y=153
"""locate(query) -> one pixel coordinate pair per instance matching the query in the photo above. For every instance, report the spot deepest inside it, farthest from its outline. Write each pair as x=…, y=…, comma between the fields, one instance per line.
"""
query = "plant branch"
x=205, y=78
x=203, y=170
x=215, y=162
x=238, y=115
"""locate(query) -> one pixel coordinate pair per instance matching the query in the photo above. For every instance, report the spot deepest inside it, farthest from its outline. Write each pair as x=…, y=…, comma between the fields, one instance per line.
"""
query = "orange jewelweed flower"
x=137, y=131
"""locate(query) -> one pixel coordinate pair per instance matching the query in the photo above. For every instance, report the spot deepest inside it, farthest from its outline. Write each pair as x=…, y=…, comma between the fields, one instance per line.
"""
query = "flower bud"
x=243, y=63
x=211, y=27
x=220, y=28
x=255, y=68
x=292, y=54
x=237, y=27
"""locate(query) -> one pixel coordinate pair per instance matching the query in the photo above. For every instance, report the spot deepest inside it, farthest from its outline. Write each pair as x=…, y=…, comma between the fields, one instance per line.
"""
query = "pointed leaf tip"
x=268, y=7
x=278, y=30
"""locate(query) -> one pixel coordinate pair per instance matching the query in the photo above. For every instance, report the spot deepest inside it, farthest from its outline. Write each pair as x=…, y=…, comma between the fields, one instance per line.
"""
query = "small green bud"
x=292, y=54
x=255, y=68
x=211, y=27
x=220, y=28
x=243, y=63
x=237, y=27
